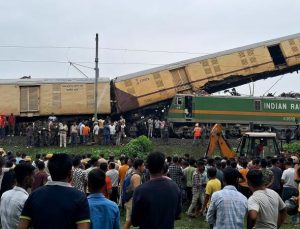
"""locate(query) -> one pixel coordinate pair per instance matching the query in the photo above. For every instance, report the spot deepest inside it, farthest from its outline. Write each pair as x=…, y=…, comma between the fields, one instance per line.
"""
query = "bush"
x=292, y=147
x=138, y=147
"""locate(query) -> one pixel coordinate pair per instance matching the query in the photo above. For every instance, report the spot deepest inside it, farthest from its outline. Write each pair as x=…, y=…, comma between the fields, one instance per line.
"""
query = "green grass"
x=199, y=223
x=17, y=144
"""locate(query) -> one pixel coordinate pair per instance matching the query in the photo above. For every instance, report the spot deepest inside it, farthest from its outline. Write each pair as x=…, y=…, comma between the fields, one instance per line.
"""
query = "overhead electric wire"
x=123, y=49
x=273, y=85
x=104, y=48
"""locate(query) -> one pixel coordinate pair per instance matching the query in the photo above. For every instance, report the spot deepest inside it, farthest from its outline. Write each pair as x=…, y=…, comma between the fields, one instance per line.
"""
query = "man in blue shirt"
x=104, y=213
x=228, y=207
x=157, y=202
x=57, y=204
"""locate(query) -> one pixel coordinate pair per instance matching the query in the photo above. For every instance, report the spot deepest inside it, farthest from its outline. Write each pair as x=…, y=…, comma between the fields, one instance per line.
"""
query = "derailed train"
x=152, y=90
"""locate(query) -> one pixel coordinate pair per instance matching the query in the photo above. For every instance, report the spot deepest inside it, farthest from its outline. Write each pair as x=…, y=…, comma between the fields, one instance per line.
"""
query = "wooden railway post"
x=96, y=79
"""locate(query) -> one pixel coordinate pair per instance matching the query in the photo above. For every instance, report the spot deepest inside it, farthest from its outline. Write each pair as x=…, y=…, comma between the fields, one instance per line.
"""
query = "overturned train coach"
x=211, y=73
x=143, y=92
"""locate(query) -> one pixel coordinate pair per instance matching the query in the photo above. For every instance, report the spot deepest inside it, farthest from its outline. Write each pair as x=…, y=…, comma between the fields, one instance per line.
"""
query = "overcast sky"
x=182, y=28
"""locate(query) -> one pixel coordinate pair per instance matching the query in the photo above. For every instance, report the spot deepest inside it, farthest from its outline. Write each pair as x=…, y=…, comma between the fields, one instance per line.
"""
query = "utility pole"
x=96, y=79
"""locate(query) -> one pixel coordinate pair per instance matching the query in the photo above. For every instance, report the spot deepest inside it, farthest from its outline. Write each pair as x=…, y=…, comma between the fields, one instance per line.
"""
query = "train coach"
x=211, y=73
x=42, y=97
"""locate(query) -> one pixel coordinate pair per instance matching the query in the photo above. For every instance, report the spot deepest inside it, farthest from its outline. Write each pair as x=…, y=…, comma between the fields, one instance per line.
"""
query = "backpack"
x=127, y=191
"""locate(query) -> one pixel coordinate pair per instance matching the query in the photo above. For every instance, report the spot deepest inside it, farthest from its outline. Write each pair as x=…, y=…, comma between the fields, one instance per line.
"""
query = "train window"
x=257, y=105
x=277, y=55
x=178, y=101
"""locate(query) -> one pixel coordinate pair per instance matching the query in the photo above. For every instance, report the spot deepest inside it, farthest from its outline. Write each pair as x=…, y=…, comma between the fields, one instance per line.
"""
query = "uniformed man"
x=44, y=134
x=36, y=134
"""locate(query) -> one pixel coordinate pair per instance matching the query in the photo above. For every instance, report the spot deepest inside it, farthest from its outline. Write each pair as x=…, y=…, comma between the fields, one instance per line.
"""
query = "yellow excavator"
x=251, y=144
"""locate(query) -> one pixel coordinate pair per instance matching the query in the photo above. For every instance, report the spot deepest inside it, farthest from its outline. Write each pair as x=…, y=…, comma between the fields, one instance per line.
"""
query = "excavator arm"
x=216, y=138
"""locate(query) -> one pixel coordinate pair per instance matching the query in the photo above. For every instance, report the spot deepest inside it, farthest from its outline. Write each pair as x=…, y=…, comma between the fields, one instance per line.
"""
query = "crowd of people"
x=55, y=132
x=73, y=191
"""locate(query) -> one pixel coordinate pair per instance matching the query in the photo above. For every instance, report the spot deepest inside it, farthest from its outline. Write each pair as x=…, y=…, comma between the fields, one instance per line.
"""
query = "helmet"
x=291, y=207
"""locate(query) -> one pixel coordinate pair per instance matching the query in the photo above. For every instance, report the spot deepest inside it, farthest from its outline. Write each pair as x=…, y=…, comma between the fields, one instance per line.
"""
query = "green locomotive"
x=233, y=110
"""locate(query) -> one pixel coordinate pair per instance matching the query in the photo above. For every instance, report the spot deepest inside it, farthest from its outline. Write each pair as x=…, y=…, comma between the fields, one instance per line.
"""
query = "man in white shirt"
x=74, y=134
x=113, y=174
x=12, y=201
x=63, y=129
x=156, y=128
x=265, y=207
x=150, y=127
x=289, y=184
x=96, y=132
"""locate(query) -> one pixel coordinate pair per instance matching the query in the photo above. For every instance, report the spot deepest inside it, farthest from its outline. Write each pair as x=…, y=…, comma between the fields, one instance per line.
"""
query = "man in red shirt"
x=11, y=124
x=107, y=188
x=2, y=126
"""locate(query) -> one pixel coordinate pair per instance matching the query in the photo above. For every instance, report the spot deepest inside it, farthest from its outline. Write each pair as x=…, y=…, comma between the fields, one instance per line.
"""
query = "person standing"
x=188, y=176
x=203, y=134
x=106, y=133
x=96, y=132
x=68, y=207
x=175, y=172
x=80, y=130
x=199, y=183
x=213, y=185
x=150, y=127
x=156, y=203
x=197, y=134
x=113, y=174
x=74, y=134
x=41, y=177
x=85, y=132
x=289, y=184
x=112, y=132
x=162, y=127
x=29, y=135
x=63, y=129
x=78, y=175
x=243, y=184
x=12, y=201
x=118, y=133
x=8, y=181
x=11, y=125
x=100, y=132
x=122, y=173
x=104, y=213
x=135, y=181
x=228, y=207
x=265, y=207
x=156, y=127
x=268, y=176
x=276, y=186
x=2, y=126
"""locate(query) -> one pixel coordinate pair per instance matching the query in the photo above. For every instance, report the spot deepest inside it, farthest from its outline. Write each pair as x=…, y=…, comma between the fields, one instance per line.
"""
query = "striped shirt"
x=199, y=181
x=227, y=209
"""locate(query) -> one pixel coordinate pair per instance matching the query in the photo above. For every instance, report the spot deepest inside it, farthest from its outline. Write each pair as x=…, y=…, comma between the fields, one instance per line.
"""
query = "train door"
x=188, y=107
x=277, y=55
x=29, y=100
